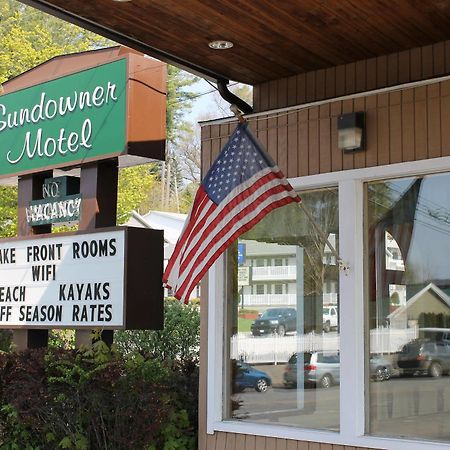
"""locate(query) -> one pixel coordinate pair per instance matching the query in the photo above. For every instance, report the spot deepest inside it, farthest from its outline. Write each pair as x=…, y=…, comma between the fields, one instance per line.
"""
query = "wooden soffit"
x=271, y=39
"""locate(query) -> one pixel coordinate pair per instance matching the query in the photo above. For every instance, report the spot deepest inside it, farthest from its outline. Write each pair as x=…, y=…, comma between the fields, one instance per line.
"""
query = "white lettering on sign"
x=47, y=147
x=38, y=145
x=63, y=281
x=47, y=109
x=54, y=211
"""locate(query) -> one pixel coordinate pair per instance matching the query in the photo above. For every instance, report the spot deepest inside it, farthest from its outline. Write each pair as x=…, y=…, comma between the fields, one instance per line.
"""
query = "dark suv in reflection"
x=426, y=357
x=275, y=320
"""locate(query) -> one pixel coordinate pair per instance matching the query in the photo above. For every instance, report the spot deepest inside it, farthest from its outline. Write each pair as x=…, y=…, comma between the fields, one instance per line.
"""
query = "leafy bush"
x=178, y=341
x=95, y=399
x=5, y=340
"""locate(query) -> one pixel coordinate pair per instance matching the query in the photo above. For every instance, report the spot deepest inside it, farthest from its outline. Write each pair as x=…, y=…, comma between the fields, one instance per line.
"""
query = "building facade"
x=387, y=209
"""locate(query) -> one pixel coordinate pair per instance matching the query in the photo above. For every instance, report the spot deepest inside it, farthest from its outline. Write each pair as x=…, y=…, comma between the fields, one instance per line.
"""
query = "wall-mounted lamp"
x=351, y=131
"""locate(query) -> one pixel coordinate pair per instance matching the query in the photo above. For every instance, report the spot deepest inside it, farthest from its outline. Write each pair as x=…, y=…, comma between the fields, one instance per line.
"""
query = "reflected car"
x=322, y=369
x=424, y=357
x=380, y=368
x=247, y=376
x=275, y=320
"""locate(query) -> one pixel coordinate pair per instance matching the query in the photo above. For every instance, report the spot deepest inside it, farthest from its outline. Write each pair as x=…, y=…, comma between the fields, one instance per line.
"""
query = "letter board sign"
x=106, y=279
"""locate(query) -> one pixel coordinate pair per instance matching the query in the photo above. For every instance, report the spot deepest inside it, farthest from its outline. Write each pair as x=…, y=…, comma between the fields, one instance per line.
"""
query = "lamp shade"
x=351, y=131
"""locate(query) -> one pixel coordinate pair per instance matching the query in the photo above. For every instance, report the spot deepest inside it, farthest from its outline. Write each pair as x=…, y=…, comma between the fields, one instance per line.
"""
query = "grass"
x=244, y=325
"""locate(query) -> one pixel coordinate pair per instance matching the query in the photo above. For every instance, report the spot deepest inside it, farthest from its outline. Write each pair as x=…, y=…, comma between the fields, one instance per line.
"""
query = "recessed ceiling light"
x=121, y=1
x=220, y=45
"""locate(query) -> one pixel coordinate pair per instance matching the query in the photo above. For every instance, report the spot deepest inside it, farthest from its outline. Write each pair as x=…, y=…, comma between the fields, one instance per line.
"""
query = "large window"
x=283, y=362
x=408, y=261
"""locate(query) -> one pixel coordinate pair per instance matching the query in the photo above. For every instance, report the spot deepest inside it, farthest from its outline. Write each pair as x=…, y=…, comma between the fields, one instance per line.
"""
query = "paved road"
x=418, y=406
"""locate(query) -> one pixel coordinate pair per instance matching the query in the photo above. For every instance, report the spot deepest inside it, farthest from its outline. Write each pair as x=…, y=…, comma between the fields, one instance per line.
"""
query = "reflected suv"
x=275, y=320
x=321, y=369
x=423, y=356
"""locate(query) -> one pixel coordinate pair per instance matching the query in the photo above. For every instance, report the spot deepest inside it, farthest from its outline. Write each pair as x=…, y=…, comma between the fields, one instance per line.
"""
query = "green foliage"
x=5, y=340
x=178, y=341
x=29, y=37
x=244, y=325
x=61, y=339
x=438, y=320
x=187, y=197
x=178, y=100
x=176, y=433
x=135, y=183
x=92, y=399
x=8, y=211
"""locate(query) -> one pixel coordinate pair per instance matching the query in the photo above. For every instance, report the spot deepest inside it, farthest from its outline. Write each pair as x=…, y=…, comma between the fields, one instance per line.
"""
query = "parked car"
x=380, y=368
x=424, y=356
x=322, y=369
x=247, y=376
x=275, y=320
x=330, y=318
x=435, y=334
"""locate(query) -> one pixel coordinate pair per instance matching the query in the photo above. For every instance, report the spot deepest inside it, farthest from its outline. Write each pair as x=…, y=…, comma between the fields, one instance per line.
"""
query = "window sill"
x=325, y=437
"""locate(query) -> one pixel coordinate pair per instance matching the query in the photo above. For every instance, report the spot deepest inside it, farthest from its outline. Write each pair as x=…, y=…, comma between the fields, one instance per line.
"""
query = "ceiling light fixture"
x=220, y=45
x=121, y=1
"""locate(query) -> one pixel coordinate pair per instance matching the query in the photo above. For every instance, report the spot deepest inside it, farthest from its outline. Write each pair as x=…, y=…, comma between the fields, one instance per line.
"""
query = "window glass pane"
x=283, y=357
x=408, y=243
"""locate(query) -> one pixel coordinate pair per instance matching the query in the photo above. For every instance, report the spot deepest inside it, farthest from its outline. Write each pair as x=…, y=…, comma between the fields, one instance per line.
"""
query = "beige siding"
x=231, y=441
x=397, y=68
x=406, y=125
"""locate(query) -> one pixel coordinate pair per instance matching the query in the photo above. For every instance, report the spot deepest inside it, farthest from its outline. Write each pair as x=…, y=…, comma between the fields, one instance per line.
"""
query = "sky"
x=205, y=104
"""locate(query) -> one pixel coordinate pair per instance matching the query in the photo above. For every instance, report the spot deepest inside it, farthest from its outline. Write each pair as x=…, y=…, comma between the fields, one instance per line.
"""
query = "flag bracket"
x=238, y=113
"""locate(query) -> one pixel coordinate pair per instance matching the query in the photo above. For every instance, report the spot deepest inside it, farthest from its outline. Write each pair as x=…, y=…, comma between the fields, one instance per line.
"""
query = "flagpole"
x=342, y=265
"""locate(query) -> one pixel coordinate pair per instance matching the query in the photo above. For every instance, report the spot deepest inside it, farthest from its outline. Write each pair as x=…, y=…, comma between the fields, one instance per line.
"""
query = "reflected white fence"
x=275, y=349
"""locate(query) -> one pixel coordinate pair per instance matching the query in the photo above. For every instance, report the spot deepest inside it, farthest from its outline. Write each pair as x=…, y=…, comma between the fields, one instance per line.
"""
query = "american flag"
x=240, y=188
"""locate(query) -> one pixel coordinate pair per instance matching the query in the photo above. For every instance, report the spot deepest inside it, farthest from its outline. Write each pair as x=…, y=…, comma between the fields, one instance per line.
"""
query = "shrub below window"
x=95, y=399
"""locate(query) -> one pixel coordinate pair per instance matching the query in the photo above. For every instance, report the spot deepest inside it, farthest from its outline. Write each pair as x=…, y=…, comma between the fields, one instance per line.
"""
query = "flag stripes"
x=241, y=187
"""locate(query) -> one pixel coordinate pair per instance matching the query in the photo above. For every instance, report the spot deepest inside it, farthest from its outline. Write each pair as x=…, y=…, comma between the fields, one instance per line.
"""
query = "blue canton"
x=238, y=161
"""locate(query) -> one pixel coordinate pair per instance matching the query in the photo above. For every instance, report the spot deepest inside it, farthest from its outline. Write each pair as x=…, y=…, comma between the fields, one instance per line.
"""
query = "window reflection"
x=283, y=316
x=408, y=237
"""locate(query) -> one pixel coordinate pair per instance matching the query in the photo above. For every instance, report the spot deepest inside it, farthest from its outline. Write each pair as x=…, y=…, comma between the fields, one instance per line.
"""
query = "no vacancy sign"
x=107, y=278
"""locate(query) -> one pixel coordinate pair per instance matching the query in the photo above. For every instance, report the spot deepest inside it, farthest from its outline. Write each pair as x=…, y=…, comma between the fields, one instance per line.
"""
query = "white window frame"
x=352, y=318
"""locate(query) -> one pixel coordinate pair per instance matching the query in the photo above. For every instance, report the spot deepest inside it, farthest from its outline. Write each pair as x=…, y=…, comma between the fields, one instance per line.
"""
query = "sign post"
x=30, y=188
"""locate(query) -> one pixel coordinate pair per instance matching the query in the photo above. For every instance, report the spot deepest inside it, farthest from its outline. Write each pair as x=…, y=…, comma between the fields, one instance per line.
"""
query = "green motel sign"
x=65, y=121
